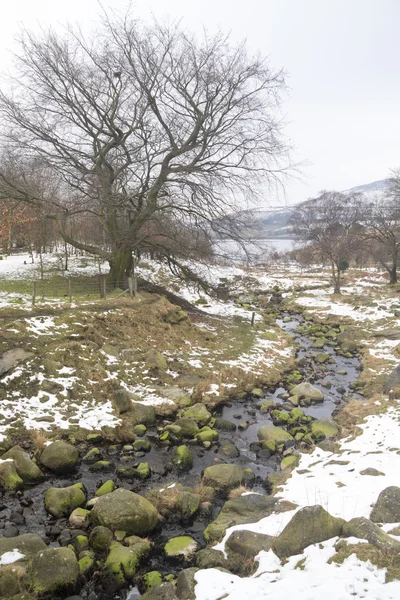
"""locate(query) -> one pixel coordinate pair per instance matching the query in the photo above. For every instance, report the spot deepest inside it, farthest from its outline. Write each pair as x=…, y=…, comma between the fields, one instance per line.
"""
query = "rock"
x=279, y=417
x=9, y=478
x=176, y=394
x=228, y=449
x=186, y=583
x=274, y=434
x=309, y=525
x=121, y=564
x=207, y=435
x=188, y=427
x=290, y=462
x=224, y=425
x=208, y=558
x=245, y=509
x=165, y=591
x=155, y=361
x=122, y=401
x=183, y=459
x=306, y=390
x=60, y=457
x=387, y=507
x=324, y=429
x=176, y=315
x=198, y=413
x=60, y=502
x=92, y=456
x=188, y=504
x=54, y=570
x=24, y=465
x=182, y=546
x=140, y=430
x=143, y=470
x=393, y=379
x=248, y=543
x=86, y=562
x=107, y=487
x=363, y=528
x=223, y=477
x=12, y=358
x=79, y=518
x=142, y=414
x=141, y=446
x=28, y=544
x=152, y=579
x=372, y=472
x=123, y=510
x=100, y=538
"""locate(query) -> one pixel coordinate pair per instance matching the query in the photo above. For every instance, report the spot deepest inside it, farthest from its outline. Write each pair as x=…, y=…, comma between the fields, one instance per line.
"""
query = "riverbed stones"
x=363, y=528
x=9, y=478
x=306, y=390
x=208, y=558
x=60, y=457
x=181, y=547
x=223, y=477
x=199, y=413
x=309, y=525
x=387, y=507
x=248, y=543
x=228, y=449
x=100, y=538
x=25, y=467
x=54, y=570
x=324, y=429
x=107, y=487
x=79, y=518
x=60, y=502
x=273, y=434
x=188, y=427
x=125, y=511
x=183, y=459
x=188, y=504
x=121, y=564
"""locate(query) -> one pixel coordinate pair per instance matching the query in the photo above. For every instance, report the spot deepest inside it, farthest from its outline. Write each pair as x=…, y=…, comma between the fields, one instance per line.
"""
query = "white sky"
x=341, y=57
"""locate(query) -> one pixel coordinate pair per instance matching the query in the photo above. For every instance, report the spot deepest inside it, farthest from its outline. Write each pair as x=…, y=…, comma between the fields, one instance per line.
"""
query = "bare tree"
x=141, y=122
x=330, y=225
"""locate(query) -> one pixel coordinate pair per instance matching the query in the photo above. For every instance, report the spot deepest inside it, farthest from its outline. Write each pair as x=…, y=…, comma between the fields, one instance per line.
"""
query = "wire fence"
x=70, y=289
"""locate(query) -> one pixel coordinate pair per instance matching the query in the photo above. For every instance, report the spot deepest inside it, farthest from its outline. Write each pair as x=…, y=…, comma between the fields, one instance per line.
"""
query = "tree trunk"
x=336, y=279
x=393, y=274
x=120, y=267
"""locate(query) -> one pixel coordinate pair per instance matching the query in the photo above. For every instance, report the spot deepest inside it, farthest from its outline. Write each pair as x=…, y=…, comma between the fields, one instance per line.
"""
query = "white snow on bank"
x=20, y=266
x=8, y=558
x=332, y=307
x=335, y=482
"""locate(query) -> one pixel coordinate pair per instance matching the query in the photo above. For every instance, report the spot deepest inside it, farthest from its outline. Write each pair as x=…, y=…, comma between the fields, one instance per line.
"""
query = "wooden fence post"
x=34, y=294
x=253, y=316
x=104, y=288
x=70, y=290
x=130, y=282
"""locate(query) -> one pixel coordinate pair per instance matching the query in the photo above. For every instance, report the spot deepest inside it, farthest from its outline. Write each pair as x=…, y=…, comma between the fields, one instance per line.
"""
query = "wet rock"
x=100, y=538
x=270, y=433
x=54, y=570
x=198, y=413
x=363, y=528
x=289, y=462
x=142, y=445
x=101, y=466
x=223, y=477
x=92, y=456
x=228, y=449
x=9, y=478
x=186, y=583
x=309, y=525
x=248, y=543
x=107, y=487
x=60, y=457
x=152, y=579
x=183, y=459
x=387, y=507
x=121, y=564
x=143, y=470
x=125, y=511
x=165, y=591
x=207, y=435
x=25, y=467
x=182, y=547
x=60, y=502
x=12, y=358
x=86, y=562
x=79, y=518
x=267, y=406
x=306, y=390
x=10, y=531
x=324, y=429
x=224, y=425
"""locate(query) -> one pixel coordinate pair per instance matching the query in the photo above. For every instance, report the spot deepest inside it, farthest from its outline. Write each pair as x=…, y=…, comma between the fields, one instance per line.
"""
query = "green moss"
x=290, y=462
x=182, y=545
x=152, y=579
x=107, y=487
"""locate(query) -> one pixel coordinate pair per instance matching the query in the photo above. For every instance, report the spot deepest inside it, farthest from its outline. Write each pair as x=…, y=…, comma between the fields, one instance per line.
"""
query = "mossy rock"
x=60, y=457
x=92, y=456
x=121, y=564
x=290, y=462
x=208, y=558
x=199, y=413
x=181, y=547
x=275, y=434
x=9, y=478
x=54, y=570
x=187, y=426
x=86, y=562
x=183, y=459
x=248, y=543
x=223, y=477
x=279, y=417
x=324, y=429
x=122, y=401
x=143, y=470
x=140, y=430
x=28, y=544
x=207, y=435
x=123, y=510
x=310, y=525
x=107, y=487
x=387, y=506
x=188, y=504
x=79, y=518
x=152, y=579
x=60, y=502
x=175, y=316
x=142, y=414
x=100, y=538
x=364, y=529
x=24, y=465
x=306, y=390
x=322, y=358
x=165, y=591
x=228, y=449
x=156, y=361
x=267, y=405
x=142, y=446
x=186, y=583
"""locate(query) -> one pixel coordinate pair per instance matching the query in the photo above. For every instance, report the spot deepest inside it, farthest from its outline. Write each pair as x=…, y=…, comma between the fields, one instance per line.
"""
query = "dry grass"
x=237, y=492
x=206, y=493
x=39, y=439
x=165, y=501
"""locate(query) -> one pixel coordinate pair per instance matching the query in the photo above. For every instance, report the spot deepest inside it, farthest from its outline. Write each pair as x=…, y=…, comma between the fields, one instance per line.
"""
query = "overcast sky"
x=341, y=57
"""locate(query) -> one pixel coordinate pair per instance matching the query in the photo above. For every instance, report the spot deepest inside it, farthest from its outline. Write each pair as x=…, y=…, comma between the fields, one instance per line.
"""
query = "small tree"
x=330, y=225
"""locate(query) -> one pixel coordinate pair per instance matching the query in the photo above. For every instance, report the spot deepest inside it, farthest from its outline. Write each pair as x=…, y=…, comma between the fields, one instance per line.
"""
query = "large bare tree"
x=330, y=225
x=139, y=123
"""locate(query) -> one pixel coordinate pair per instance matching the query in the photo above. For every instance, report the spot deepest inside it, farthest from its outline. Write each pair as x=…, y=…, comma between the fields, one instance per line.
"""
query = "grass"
x=367, y=552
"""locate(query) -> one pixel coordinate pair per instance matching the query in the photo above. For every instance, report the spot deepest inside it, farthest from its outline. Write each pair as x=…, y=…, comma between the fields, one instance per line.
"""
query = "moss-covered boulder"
x=143, y=470
x=387, y=507
x=270, y=433
x=290, y=462
x=100, y=538
x=86, y=562
x=199, y=413
x=54, y=570
x=151, y=580
x=9, y=478
x=165, y=591
x=306, y=390
x=181, y=547
x=187, y=504
x=188, y=427
x=60, y=502
x=121, y=564
x=363, y=528
x=324, y=429
x=79, y=518
x=25, y=467
x=60, y=457
x=224, y=425
x=186, y=583
x=107, y=487
x=207, y=435
x=248, y=543
x=309, y=525
x=183, y=459
x=223, y=477
x=209, y=558
x=279, y=417
x=141, y=414
x=125, y=511
x=155, y=361
x=28, y=544
x=121, y=401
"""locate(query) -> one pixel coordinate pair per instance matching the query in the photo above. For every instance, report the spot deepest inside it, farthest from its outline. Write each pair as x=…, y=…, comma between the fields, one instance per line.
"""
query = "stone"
x=275, y=434
x=186, y=583
x=183, y=459
x=9, y=478
x=372, y=472
x=141, y=445
x=228, y=449
x=188, y=504
x=208, y=558
x=60, y=502
x=165, y=591
x=363, y=528
x=100, y=538
x=121, y=401
x=223, y=477
x=140, y=430
x=306, y=390
x=12, y=358
x=155, y=361
x=248, y=543
x=324, y=429
x=183, y=547
x=309, y=525
x=188, y=427
x=126, y=511
x=393, y=379
x=107, y=487
x=224, y=425
x=267, y=405
x=175, y=316
x=143, y=470
x=60, y=457
x=28, y=544
x=387, y=507
x=79, y=518
x=199, y=413
x=290, y=462
x=142, y=414
x=86, y=562
x=92, y=456
x=152, y=579
x=121, y=564
x=176, y=394
x=54, y=570
x=24, y=465
x=207, y=435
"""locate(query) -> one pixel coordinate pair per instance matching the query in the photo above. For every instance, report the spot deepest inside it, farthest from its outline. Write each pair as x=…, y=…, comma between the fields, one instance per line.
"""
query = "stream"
x=25, y=512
